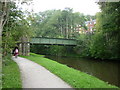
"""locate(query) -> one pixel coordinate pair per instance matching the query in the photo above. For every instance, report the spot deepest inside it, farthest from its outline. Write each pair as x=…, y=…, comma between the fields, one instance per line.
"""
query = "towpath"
x=36, y=76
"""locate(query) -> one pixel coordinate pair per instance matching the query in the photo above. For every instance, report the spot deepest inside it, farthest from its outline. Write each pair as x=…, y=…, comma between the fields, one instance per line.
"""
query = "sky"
x=82, y=6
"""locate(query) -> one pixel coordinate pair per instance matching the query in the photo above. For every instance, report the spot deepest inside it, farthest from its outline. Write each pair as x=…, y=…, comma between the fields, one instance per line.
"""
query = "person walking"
x=16, y=52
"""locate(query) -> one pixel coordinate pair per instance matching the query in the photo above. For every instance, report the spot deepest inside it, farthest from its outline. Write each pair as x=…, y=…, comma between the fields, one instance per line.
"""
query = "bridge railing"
x=54, y=41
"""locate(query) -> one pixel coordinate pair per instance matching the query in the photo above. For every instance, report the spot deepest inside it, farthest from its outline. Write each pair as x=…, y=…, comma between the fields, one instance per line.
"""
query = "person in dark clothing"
x=15, y=52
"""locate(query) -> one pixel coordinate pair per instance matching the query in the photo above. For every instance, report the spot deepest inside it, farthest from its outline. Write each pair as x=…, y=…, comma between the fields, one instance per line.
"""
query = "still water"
x=107, y=71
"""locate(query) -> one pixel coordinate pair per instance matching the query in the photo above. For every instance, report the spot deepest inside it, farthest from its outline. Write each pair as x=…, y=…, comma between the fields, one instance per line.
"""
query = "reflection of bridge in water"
x=53, y=41
x=24, y=46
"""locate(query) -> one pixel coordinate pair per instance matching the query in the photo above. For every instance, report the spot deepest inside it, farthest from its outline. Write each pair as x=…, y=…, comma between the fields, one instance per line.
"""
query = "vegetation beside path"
x=73, y=77
x=11, y=74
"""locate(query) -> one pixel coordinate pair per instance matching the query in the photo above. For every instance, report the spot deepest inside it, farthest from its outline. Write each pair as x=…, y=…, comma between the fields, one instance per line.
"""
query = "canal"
x=107, y=71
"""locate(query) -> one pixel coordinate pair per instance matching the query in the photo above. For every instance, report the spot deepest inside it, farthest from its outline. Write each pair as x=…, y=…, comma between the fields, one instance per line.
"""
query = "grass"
x=11, y=74
x=73, y=77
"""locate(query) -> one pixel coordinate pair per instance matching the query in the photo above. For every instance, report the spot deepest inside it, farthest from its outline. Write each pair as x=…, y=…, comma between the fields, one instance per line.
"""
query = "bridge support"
x=24, y=48
x=24, y=45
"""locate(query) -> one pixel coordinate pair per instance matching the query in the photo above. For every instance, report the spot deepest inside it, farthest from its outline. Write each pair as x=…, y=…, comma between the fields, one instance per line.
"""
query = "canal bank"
x=75, y=78
x=105, y=70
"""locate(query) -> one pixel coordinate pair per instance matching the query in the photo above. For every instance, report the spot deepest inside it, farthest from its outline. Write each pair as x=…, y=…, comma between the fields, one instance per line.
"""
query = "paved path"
x=36, y=76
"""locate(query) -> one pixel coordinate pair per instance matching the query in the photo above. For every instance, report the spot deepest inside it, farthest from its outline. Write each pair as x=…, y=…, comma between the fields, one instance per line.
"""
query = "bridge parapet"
x=53, y=41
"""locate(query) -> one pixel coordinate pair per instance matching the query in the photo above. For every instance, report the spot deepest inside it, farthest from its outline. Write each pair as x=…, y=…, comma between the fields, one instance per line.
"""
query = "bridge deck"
x=53, y=41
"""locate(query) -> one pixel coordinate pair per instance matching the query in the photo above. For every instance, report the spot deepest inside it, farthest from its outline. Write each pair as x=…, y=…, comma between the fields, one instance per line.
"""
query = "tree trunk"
x=0, y=48
x=4, y=12
x=61, y=30
x=66, y=28
x=1, y=27
x=0, y=45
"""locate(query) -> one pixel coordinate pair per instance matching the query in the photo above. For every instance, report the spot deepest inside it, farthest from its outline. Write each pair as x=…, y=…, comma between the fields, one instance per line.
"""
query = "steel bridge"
x=53, y=41
x=24, y=46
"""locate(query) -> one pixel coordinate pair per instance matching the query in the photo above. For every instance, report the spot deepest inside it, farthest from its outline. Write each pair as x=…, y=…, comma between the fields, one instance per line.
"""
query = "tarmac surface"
x=34, y=75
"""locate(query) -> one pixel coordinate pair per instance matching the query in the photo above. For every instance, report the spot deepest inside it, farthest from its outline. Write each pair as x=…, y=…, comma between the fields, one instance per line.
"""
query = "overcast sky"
x=83, y=6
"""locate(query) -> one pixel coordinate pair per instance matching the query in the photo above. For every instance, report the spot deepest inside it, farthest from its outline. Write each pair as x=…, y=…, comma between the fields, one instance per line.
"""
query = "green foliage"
x=75, y=78
x=88, y=17
x=15, y=28
x=52, y=50
x=58, y=23
x=83, y=45
x=105, y=42
x=97, y=47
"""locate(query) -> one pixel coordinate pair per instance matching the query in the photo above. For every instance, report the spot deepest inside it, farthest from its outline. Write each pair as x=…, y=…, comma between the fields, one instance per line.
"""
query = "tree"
x=16, y=27
x=4, y=12
x=58, y=23
x=105, y=43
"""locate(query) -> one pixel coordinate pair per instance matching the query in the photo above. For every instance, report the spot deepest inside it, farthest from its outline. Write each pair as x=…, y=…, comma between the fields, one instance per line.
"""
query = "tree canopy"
x=105, y=43
x=58, y=23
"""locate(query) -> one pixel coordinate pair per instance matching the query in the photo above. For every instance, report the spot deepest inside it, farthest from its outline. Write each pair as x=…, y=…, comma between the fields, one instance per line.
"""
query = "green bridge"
x=53, y=41
x=24, y=46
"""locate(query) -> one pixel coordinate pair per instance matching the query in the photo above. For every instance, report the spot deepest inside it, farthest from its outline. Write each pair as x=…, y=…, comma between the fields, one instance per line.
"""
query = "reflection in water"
x=104, y=70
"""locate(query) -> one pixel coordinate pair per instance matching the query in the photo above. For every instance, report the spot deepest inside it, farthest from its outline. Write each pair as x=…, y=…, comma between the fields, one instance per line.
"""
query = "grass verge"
x=11, y=74
x=73, y=77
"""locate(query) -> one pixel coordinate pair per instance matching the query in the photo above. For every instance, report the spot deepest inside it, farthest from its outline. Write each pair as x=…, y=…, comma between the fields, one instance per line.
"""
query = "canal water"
x=107, y=71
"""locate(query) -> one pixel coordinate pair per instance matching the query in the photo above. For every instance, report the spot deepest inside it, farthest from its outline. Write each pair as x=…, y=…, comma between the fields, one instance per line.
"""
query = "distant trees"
x=58, y=23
